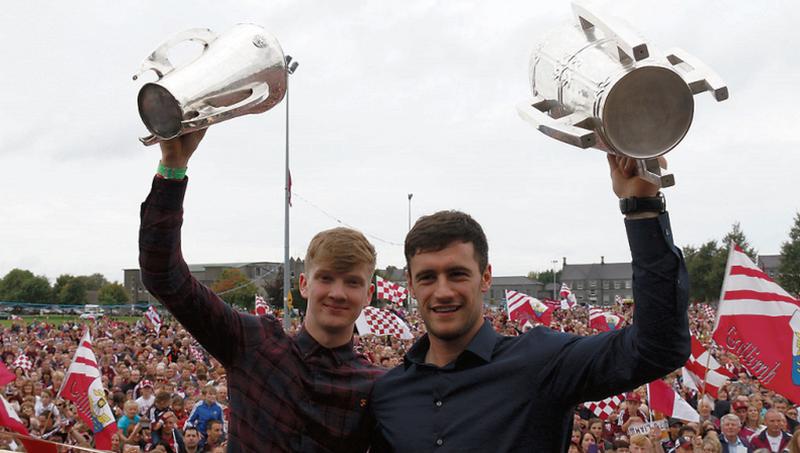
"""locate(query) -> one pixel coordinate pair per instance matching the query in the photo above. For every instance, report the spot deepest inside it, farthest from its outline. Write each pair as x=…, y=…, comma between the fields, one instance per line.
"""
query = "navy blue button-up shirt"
x=509, y=394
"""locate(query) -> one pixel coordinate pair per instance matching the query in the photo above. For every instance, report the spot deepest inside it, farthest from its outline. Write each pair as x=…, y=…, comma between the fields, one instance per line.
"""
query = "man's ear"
x=303, y=283
x=486, y=278
x=410, y=286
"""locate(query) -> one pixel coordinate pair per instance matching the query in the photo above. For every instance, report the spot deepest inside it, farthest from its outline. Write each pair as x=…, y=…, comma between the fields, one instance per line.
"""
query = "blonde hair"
x=640, y=440
x=342, y=248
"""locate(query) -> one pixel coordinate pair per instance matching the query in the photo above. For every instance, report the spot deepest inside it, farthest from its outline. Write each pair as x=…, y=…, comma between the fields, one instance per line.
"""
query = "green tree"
x=21, y=285
x=544, y=276
x=235, y=288
x=112, y=294
x=706, y=267
x=789, y=269
x=737, y=236
x=72, y=291
x=93, y=282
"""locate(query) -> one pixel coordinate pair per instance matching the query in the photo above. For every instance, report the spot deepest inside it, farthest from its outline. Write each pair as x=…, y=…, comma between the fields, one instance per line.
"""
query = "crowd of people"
x=169, y=396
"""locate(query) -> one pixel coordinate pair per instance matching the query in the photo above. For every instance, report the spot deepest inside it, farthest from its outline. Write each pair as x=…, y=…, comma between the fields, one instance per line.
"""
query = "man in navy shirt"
x=463, y=387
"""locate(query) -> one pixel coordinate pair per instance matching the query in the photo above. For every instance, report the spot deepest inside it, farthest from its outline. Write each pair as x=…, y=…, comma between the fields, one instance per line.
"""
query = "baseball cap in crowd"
x=739, y=405
x=146, y=383
x=675, y=421
x=633, y=396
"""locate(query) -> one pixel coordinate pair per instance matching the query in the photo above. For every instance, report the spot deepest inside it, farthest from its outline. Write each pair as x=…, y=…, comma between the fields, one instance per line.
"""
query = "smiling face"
x=335, y=298
x=449, y=285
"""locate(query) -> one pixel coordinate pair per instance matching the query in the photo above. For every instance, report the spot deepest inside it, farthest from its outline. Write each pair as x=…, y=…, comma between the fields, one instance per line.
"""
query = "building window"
x=605, y=298
x=592, y=293
x=606, y=284
x=579, y=285
x=617, y=284
x=627, y=284
x=592, y=283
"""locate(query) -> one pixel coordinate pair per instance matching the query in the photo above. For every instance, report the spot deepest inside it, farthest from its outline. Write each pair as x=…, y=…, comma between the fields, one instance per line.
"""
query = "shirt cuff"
x=650, y=235
x=167, y=194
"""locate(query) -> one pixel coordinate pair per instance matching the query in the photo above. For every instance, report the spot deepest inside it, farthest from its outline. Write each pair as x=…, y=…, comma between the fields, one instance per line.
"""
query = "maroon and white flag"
x=83, y=386
x=604, y=408
x=262, y=307
x=703, y=371
x=522, y=307
x=10, y=420
x=666, y=400
x=22, y=361
x=152, y=316
x=390, y=291
x=759, y=322
x=379, y=322
x=603, y=321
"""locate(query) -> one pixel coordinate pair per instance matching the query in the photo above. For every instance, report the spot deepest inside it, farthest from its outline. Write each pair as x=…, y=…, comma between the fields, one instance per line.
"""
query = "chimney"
x=563, y=261
x=602, y=259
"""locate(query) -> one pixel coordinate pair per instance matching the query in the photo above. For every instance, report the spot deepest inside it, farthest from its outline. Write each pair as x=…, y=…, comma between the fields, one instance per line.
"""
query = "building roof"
x=769, y=261
x=597, y=271
x=514, y=280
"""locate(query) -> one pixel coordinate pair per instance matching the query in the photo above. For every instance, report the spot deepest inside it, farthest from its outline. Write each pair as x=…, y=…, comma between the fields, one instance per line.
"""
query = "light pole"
x=409, y=210
x=554, y=279
x=287, y=320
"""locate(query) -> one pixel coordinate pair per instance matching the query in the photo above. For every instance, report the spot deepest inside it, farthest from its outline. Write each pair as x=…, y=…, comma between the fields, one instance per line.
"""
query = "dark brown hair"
x=435, y=232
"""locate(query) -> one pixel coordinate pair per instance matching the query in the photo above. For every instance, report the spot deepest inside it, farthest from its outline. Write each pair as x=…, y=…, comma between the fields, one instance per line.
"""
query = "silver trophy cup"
x=239, y=72
x=597, y=83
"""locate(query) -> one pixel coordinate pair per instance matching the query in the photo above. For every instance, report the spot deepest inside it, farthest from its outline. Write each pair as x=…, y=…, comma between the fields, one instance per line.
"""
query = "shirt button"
x=439, y=442
x=438, y=403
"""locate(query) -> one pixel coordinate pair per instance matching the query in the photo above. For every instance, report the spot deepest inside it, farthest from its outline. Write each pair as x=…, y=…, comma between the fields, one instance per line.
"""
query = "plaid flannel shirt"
x=286, y=393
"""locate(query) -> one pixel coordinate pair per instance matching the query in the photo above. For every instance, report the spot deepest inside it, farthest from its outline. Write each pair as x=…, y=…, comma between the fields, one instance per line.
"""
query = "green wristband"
x=171, y=173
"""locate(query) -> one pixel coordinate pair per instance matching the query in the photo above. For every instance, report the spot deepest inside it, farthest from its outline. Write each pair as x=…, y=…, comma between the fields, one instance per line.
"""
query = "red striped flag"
x=522, y=307
x=666, y=400
x=759, y=322
x=152, y=316
x=84, y=387
x=704, y=371
x=262, y=308
x=603, y=321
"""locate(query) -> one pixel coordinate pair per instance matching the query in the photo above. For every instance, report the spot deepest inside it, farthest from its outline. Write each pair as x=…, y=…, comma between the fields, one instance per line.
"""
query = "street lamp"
x=409, y=210
x=287, y=322
x=554, y=279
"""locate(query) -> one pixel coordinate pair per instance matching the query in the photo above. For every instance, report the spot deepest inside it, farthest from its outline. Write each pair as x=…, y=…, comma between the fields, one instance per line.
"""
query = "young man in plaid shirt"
x=304, y=393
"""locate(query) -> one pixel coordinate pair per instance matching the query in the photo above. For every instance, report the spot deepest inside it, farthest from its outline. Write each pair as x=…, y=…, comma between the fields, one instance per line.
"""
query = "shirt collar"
x=310, y=347
x=481, y=346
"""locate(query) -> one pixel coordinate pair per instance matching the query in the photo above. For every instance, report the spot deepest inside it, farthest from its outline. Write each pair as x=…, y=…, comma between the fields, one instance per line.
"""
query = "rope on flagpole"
x=342, y=222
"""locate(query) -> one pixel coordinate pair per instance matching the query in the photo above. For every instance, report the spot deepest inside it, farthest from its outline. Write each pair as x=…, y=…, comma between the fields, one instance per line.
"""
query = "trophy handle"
x=697, y=75
x=630, y=46
x=211, y=114
x=159, y=62
x=568, y=129
x=650, y=171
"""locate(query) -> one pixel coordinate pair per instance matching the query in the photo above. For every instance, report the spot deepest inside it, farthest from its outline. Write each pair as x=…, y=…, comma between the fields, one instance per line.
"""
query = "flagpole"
x=287, y=320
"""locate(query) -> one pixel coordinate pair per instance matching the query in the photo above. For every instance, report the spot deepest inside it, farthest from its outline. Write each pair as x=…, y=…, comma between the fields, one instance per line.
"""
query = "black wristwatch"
x=634, y=205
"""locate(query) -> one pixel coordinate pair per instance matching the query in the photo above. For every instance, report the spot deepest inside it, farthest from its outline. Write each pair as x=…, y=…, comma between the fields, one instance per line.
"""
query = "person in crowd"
x=191, y=440
x=731, y=440
x=214, y=436
x=205, y=410
x=339, y=266
x=772, y=438
x=147, y=398
x=463, y=364
x=753, y=423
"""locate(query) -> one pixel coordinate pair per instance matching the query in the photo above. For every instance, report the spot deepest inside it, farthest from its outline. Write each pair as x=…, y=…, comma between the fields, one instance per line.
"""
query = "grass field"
x=58, y=319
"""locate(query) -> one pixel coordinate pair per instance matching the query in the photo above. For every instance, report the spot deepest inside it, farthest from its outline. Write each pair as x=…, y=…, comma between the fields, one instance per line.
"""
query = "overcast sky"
x=390, y=98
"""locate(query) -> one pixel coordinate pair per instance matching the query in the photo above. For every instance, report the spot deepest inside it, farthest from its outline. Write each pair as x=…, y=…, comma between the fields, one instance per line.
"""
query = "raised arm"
x=221, y=330
x=592, y=368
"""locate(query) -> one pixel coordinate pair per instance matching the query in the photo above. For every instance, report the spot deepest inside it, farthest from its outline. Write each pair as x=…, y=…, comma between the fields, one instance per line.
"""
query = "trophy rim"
x=647, y=128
